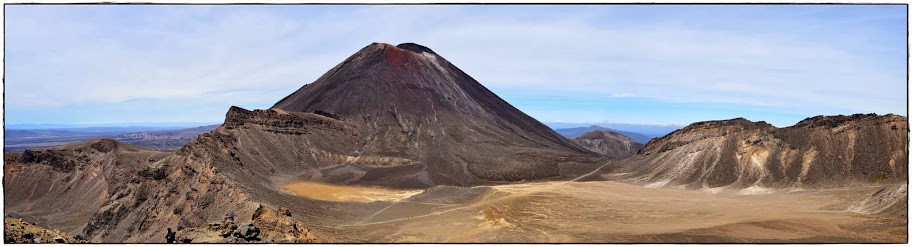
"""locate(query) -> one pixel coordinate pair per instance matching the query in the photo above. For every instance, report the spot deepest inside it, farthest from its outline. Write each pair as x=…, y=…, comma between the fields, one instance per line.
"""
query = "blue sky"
x=654, y=64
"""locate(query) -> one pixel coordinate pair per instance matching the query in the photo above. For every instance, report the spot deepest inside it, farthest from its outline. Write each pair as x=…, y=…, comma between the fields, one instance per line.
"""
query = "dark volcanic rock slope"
x=608, y=143
x=405, y=106
x=823, y=151
x=109, y=191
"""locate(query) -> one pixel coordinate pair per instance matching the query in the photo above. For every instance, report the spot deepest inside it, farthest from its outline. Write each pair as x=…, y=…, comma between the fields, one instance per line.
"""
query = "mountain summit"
x=412, y=89
x=408, y=105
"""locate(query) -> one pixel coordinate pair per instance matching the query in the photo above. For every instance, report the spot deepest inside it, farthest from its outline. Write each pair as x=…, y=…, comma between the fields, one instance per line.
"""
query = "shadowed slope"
x=61, y=187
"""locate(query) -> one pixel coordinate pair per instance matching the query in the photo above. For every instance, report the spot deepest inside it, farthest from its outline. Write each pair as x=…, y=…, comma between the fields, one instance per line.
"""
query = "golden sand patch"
x=328, y=192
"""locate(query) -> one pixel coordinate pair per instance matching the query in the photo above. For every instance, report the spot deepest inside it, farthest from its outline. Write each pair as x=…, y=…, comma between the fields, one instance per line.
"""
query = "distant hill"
x=109, y=127
x=148, y=137
x=648, y=130
x=579, y=131
x=165, y=140
x=608, y=143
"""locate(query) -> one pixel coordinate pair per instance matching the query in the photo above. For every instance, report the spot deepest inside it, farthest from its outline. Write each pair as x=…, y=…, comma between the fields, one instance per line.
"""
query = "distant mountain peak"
x=605, y=133
x=608, y=143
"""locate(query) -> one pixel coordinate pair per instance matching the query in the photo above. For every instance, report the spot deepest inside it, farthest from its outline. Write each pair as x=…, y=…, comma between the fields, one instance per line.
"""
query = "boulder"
x=248, y=232
x=228, y=231
x=284, y=212
x=215, y=225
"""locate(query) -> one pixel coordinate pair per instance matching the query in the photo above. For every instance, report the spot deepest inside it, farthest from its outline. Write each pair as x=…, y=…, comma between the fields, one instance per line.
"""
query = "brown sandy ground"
x=614, y=212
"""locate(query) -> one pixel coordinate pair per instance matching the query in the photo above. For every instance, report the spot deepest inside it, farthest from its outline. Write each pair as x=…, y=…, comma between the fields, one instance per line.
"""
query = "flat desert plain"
x=608, y=211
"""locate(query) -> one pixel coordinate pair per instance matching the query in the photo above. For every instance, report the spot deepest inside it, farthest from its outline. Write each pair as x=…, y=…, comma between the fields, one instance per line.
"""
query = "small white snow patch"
x=433, y=59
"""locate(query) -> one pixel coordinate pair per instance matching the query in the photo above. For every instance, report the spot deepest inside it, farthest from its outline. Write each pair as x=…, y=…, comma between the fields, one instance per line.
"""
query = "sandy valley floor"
x=606, y=211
